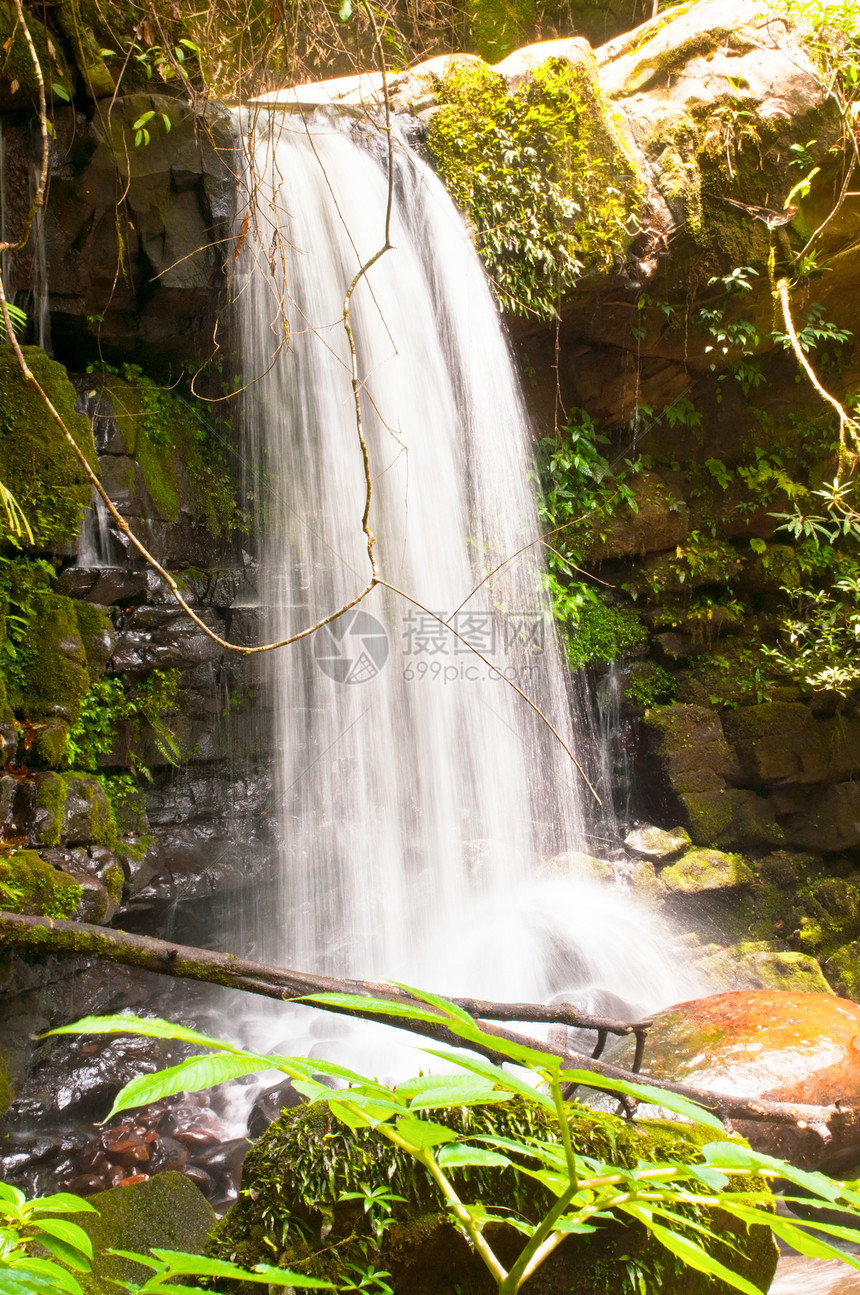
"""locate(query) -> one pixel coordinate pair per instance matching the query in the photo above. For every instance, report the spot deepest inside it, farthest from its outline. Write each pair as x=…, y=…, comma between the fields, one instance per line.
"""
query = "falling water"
x=96, y=544
x=427, y=815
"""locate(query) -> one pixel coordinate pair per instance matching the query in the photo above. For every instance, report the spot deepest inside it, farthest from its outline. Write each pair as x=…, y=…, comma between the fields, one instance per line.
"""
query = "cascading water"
x=427, y=814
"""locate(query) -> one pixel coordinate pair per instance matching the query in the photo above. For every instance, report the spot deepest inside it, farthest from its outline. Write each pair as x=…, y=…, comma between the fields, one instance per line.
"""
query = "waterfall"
x=429, y=820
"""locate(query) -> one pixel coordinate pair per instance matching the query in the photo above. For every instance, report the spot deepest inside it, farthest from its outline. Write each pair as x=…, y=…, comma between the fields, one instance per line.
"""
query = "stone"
x=657, y=843
x=758, y=965
x=831, y=821
x=87, y=817
x=573, y=863
x=690, y=746
x=660, y=521
x=779, y=742
x=732, y=817
x=518, y=67
x=167, y=1211
x=705, y=870
x=778, y=1046
x=421, y=1251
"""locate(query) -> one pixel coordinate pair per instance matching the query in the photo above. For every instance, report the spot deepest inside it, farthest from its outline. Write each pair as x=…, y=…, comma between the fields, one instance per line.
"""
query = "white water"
x=420, y=800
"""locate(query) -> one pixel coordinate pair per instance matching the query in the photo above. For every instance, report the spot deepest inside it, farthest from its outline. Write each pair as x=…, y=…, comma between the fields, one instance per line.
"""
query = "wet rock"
x=758, y=965
x=86, y=812
x=830, y=821
x=783, y=742
x=657, y=843
x=167, y=1211
x=733, y=817
x=270, y=1104
x=706, y=870
x=573, y=863
x=690, y=746
x=660, y=521
x=800, y=1047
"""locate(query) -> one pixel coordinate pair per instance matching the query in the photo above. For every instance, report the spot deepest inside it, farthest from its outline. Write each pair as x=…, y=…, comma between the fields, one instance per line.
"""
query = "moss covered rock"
x=540, y=171
x=166, y=1211
x=30, y=885
x=703, y=870
x=36, y=462
x=755, y=964
x=296, y=1175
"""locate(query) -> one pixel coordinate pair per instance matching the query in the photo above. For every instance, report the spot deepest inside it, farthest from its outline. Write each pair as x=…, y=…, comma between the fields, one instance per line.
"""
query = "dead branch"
x=56, y=937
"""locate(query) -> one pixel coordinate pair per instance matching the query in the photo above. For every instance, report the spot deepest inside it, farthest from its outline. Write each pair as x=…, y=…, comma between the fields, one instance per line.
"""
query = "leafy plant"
x=24, y=1223
x=27, y=1223
x=667, y=1199
x=544, y=203
x=107, y=702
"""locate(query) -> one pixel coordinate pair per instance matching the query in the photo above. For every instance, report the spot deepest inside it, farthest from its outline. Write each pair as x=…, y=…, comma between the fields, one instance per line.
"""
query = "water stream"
x=429, y=820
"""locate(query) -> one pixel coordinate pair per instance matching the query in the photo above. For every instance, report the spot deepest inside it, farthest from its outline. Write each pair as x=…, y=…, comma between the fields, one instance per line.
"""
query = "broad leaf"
x=67, y=1254
x=422, y=1134
x=644, y=1093
x=353, y=1119
x=453, y=1157
x=188, y=1077
x=380, y=1006
x=184, y=1264
x=46, y=1268
x=71, y=1233
x=730, y=1155
x=695, y=1257
x=153, y=1027
x=511, y=1083
x=59, y=1203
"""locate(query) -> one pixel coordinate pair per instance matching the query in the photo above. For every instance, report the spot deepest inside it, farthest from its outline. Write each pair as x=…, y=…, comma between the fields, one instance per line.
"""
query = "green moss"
x=114, y=880
x=541, y=175
x=604, y=632
x=167, y=1211
x=50, y=805
x=96, y=630
x=36, y=462
x=172, y=444
x=30, y=885
x=53, y=682
x=296, y=1175
x=499, y=26
x=18, y=81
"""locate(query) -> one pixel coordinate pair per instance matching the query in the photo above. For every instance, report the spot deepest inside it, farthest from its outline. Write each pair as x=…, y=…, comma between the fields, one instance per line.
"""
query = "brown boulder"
x=786, y=1047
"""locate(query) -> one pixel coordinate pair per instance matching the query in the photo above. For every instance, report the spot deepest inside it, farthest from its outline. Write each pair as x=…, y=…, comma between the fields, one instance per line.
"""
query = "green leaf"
x=729, y=1155
x=344, y=13
x=47, y=1268
x=382, y=1006
x=67, y=1254
x=645, y=1093
x=59, y=1203
x=353, y=1119
x=455, y=1156
x=695, y=1257
x=422, y=1134
x=434, y=1091
x=143, y=119
x=153, y=1027
x=188, y=1077
x=184, y=1264
x=60, y=91
x=510, y=1083
x=71, y=1233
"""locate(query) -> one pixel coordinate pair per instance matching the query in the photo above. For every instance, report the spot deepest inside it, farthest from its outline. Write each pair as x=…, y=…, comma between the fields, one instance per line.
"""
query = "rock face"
x=791, y=1047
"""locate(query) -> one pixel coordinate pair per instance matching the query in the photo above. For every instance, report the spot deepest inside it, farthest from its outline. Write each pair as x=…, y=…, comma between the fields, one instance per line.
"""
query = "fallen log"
x=57, y=937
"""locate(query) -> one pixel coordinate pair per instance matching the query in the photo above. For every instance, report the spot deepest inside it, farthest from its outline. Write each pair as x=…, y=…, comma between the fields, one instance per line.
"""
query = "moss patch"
x=30, y=885
x=36, y=462
x=541, y=175
x=295, y=1177
x=173, y=449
